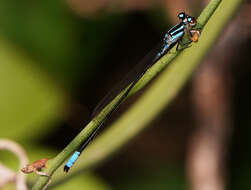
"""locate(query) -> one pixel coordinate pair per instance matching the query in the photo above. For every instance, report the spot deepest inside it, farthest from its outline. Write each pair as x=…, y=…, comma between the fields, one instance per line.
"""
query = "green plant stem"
x=154, y=100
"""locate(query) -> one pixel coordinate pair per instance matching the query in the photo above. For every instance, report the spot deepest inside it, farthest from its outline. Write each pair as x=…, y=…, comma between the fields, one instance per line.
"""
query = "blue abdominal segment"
x=71, y=161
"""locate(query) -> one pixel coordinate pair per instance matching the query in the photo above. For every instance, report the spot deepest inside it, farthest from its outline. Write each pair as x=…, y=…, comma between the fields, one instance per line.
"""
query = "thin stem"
x=154, y=100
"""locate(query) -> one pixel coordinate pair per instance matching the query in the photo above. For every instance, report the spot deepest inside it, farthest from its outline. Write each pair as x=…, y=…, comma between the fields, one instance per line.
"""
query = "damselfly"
x=171, y=38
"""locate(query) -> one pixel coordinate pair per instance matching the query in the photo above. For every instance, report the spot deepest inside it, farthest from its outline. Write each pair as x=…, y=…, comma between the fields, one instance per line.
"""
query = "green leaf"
x=29, y=100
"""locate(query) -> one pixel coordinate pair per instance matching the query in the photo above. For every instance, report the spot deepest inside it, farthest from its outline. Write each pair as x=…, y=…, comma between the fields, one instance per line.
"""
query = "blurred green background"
x=59, y=58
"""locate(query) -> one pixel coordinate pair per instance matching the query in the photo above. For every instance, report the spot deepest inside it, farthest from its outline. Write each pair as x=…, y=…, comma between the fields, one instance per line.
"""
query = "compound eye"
x=191, y=21
x=181, y=15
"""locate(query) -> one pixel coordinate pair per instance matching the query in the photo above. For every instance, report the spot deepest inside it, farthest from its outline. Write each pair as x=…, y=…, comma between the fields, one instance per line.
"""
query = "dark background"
x=59, y=58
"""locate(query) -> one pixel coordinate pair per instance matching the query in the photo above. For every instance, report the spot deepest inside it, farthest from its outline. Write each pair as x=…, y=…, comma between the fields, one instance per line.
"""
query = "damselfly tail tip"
x=66, y=168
